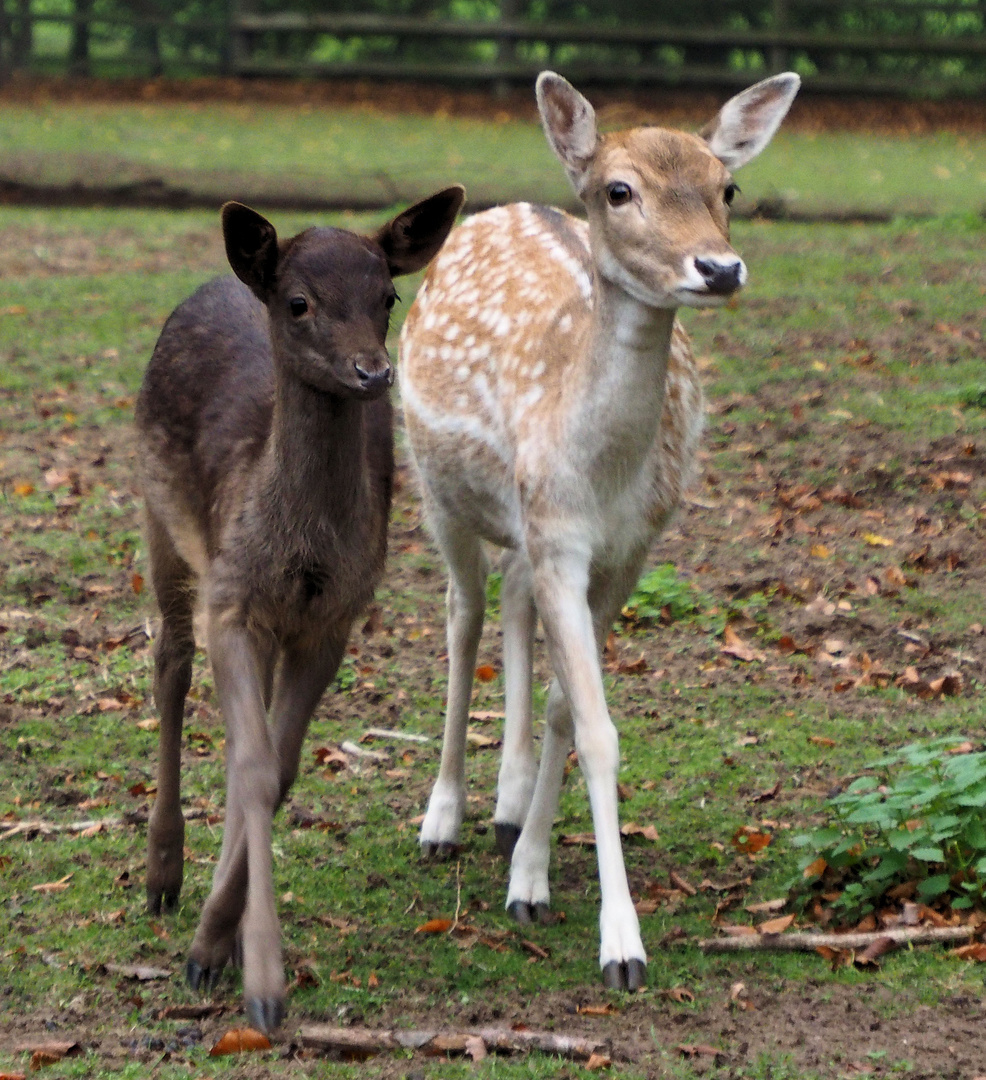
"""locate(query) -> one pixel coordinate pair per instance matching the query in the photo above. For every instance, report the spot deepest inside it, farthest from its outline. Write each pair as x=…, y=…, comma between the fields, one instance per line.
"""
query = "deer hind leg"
x=466, y=607
x=172, y=579
x=518, y=769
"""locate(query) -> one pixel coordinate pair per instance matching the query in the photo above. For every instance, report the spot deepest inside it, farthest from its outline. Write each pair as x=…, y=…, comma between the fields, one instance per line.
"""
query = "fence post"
x=236, y=47
x=78, y=50
x=779, y=57
x=22, y=36
x=506, y=48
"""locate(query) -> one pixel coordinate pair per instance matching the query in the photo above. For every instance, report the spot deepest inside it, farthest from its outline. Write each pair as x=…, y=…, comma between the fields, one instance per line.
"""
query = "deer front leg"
x=252, y=787
x=466, y=607
x=562, y=586
x=301, y=678
x=518, y=769
x=173, y=652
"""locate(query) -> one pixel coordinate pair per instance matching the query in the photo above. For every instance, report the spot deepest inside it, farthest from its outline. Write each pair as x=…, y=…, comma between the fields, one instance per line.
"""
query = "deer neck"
x=626, y=372
x=313, y=478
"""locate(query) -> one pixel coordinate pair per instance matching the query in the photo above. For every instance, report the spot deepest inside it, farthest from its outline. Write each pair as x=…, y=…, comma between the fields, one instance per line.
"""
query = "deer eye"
x=390, y=301
x=732, y=190
x=618, y=193
x=297, y=305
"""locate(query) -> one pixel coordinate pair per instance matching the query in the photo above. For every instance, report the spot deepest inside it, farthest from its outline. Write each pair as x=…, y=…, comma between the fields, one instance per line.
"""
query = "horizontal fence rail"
x=891, y=46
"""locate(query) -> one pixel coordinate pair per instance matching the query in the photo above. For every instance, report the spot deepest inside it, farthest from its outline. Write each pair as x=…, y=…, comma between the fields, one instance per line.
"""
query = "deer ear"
x=413, y=238
x=747, y=122
x=251, y=247
x=569, y=122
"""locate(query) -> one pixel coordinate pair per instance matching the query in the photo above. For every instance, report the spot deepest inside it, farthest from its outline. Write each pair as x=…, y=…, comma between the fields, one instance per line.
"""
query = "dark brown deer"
x=267, y=462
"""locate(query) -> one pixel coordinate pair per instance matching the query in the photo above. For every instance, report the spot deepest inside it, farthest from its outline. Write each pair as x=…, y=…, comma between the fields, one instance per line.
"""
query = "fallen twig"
x=385, y=733
x=355, y=751
x=364, y=1042
x=807, y=942
x=37, y=827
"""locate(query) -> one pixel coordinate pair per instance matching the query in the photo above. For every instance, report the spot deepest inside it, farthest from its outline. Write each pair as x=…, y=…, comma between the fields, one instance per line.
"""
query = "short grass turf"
x=360, y=156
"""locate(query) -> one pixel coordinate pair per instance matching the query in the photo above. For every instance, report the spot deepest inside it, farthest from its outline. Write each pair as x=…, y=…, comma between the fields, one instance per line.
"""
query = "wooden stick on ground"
x=807, y=942
x=364, y=1042
x=37, y=827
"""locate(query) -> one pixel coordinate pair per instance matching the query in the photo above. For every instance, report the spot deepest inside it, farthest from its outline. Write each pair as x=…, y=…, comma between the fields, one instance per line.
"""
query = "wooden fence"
x=935, y=49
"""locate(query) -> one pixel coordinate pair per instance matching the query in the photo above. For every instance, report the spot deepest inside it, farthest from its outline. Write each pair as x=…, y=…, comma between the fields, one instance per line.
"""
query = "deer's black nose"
x=379, y=378
x=721, y=277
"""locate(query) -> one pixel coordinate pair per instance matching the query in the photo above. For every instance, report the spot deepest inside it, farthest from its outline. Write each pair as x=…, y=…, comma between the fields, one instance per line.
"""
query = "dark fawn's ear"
x=413, y=238
x=251, y=247
x=569, y=123
x=747, y=122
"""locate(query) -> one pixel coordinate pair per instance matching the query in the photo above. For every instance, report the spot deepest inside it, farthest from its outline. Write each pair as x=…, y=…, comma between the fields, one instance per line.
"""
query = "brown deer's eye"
x=619, y=193
x=298, y=305
x=390, y=301
x=732, y=190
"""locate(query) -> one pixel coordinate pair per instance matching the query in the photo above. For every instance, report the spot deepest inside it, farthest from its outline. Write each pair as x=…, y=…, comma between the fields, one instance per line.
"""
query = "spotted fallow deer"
x=554, y=410
x=267, y=464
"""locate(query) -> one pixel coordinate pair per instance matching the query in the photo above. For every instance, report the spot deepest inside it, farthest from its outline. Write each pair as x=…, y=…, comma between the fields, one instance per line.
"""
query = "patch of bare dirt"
x=831, y=1030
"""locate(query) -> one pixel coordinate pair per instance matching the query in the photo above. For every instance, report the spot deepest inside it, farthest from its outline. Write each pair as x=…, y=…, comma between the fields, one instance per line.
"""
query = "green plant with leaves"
x=917, y=819
x=663, y=594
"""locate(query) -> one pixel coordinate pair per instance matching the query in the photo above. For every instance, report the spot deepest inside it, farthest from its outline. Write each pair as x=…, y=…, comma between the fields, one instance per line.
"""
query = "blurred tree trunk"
x=21, y=35
x=78, y=50
x=147, y=39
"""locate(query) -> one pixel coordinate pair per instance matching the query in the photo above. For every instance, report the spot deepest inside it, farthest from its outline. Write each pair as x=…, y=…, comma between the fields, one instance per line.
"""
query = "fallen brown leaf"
x=240, y=1040
x=434, y=926
x=606, y=1009
x=975, y=950
x=648, y=832
x=535, y=950
x=733, y=645
x=836, y=957
x=598, y=1061
x=485, y=673
x=582, y=839
x=53, y=886
x=775, y=926
x=697, y=1050
x=750, y=840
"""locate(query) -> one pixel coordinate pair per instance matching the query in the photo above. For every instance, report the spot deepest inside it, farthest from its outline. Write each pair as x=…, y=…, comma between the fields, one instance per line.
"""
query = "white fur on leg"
x=515, y=789
x=446, y=809
x=518, y=769
x=619, y=933
x=529, y=866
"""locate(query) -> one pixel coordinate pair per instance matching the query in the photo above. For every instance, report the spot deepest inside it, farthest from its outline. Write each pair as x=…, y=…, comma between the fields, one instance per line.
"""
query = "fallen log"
x=365, y=1042
x=808, y=942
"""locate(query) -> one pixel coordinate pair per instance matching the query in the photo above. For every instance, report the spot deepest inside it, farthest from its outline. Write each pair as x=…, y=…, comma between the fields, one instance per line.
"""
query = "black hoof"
x=163, y=901
x=440, y=852
x=630, y=975
x=506, y=838
x=265, y=1014
x=525, y=913
x=202, y=978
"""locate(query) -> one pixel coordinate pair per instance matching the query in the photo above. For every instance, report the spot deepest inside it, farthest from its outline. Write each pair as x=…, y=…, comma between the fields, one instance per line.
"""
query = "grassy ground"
x=346, y=154
x=819, y=377
x=846, y=395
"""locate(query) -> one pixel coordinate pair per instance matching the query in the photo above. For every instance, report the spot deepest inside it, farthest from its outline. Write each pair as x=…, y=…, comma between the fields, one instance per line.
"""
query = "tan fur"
x=554, y=409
